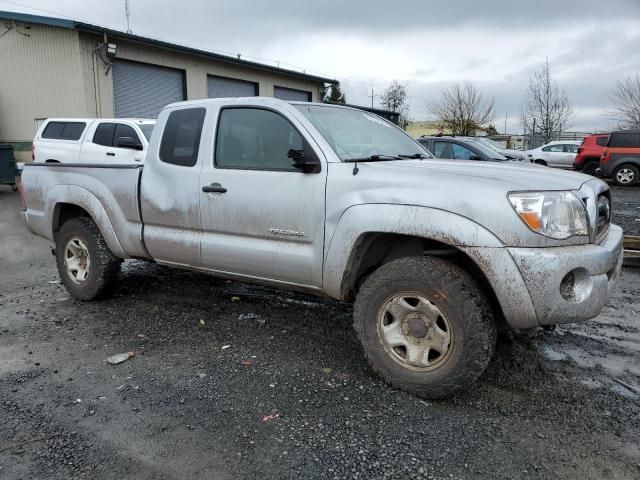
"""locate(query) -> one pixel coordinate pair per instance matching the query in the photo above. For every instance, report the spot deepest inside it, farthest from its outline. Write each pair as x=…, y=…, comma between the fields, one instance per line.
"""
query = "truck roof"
x=255, y=100
x=141, y=121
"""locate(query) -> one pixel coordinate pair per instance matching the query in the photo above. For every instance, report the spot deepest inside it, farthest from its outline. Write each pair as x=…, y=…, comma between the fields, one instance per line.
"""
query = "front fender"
x=419, y=221
x=478, y=243
x=83, y=198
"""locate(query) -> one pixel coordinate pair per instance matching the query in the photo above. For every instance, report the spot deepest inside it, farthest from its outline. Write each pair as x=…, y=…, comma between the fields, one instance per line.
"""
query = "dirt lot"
x=291, y=396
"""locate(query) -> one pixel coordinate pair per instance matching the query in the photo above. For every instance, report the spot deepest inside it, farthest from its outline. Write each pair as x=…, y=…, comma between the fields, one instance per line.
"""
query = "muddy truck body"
x=437, y=255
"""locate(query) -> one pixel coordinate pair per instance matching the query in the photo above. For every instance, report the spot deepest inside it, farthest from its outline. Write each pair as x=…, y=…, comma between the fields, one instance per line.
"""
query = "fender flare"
x=83, y=198
x=479, y=244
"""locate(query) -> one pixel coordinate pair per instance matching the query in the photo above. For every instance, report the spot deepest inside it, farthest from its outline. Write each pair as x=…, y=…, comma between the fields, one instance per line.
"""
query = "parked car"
x=506, y=152
x=339, y=202
x=460, y=148
x=621, y=158
x=91, y=140
x=560, y=153
x=589, y=153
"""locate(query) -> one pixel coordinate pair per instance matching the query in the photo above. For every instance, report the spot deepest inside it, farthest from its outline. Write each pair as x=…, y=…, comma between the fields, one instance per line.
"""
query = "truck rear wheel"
x=425, y=326
x=86, y=266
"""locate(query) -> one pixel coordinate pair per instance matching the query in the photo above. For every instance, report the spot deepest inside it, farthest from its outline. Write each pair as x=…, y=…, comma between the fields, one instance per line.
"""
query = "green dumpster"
x=7, y=166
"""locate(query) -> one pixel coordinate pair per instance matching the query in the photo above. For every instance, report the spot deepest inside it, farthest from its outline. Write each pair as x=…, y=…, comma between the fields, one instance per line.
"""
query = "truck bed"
x=108, y=192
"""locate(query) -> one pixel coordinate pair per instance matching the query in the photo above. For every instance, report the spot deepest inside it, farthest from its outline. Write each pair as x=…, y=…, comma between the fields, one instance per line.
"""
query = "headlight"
x=557, y=215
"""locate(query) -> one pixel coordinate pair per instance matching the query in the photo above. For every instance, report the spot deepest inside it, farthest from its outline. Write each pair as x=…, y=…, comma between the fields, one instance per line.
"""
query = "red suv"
x=588, y=157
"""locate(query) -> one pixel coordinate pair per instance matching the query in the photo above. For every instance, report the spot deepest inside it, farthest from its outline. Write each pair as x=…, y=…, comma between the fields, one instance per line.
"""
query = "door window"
x=181, y=137
x=104, y=134
x=123, y=130
x=251, y=138
x=462, y=153
x=442, y=150
x=570, y=148
x=554, y=148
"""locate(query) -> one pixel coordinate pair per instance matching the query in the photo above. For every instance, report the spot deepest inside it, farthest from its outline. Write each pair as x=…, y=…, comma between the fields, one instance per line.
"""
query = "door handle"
x=214, y=188
x=111, y=154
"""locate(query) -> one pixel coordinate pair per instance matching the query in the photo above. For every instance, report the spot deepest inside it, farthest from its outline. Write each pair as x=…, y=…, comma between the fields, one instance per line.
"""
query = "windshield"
x=491, y=143
x=487, y=147
x=356, y=134
x=147, y=128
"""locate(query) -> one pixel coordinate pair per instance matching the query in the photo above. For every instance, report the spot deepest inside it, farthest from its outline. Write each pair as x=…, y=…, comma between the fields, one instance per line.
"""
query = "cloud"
x=496, y=44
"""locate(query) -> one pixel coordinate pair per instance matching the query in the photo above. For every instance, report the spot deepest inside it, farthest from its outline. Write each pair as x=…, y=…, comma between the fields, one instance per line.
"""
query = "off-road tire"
x=634, y=169
x=104, y=267
x=457, y=295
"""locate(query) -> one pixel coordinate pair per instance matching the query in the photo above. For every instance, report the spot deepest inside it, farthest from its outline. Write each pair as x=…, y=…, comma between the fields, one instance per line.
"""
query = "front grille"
x=603, y=214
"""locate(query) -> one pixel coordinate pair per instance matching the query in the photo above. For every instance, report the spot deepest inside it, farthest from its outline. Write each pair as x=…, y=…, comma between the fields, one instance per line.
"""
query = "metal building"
x=53, y=67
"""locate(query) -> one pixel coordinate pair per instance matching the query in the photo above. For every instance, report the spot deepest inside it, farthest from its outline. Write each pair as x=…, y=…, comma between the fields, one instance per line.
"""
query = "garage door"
x=223, y=87
x=291, y=94
x=142, y=90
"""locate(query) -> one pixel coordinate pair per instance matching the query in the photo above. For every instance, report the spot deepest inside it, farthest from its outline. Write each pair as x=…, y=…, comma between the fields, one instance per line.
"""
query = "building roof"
x=87, y=27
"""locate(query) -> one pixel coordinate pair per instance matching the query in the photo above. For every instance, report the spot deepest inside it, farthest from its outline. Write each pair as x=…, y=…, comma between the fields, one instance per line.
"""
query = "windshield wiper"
x=417, y=156
x=373, y=158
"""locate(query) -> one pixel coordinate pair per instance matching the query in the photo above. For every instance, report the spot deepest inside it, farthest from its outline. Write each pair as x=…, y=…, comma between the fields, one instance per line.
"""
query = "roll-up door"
x=223, y=87
x=141, y=90
x=291, y=94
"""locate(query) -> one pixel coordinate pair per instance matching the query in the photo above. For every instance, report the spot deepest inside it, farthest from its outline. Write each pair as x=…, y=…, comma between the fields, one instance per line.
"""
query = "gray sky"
x=428, y=44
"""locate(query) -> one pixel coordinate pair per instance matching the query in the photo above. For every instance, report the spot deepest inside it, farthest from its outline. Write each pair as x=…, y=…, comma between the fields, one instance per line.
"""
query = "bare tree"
x=546, y=106
x=462, y=109
x=625, y=98
x=394, y=99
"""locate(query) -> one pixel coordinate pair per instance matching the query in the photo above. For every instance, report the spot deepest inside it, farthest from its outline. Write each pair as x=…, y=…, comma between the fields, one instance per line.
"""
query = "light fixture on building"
x=111, y=50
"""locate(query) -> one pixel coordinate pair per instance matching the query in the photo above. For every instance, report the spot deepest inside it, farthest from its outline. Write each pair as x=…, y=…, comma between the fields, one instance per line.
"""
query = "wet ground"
x=233, y=381
x=626, y=208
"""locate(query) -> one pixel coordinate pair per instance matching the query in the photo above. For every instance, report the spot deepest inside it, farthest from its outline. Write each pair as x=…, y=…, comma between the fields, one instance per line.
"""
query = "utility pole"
x=506, y=115
x=372, y=95
x=127, y=13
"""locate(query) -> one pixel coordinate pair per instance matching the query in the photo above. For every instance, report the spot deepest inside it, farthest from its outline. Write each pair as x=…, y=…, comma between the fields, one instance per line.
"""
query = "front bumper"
x=596, y=270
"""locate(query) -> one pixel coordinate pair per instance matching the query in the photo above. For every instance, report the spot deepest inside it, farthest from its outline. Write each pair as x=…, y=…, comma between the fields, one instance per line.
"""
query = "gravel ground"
x=626, y=208
x=291, y=396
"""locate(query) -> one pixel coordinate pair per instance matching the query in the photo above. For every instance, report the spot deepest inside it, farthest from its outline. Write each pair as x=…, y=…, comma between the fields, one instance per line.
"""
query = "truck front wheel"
x=425, y=326
x=86, y=266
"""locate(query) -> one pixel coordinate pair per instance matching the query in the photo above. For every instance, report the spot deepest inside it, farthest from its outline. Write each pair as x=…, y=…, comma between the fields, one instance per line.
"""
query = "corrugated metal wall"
x=53, y=72
x=142, y=90
x=222, y=87
x=41, y=75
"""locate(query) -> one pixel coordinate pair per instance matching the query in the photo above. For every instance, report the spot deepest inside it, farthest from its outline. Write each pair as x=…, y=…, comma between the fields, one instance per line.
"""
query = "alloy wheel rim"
x=625, y=175
x=76, y=260
x=414, y=331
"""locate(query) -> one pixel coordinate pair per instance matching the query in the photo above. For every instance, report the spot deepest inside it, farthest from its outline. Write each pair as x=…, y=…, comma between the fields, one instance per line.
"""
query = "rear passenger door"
x=170, y=186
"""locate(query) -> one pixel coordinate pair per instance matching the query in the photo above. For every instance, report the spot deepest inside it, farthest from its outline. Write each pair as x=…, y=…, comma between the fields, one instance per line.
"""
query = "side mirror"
x=129, y=142
x=305, y=160
x=474, y=157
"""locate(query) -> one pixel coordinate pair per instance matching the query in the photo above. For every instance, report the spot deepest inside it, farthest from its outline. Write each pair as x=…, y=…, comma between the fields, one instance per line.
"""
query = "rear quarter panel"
x=108, y=193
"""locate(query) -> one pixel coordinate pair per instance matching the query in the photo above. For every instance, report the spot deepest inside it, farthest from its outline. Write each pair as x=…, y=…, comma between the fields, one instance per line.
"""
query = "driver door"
x=261, y=218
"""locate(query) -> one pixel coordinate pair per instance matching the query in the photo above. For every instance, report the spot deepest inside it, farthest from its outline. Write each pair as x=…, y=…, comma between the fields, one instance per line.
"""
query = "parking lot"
x=236, y=381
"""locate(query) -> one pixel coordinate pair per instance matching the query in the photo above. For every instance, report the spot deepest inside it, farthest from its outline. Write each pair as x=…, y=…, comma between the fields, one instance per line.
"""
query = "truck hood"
x=508, y=176
x=472, y=189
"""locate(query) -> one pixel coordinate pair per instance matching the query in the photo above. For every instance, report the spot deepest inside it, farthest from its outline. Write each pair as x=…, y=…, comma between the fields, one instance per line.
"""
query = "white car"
x=559, y=153
x=92, y=140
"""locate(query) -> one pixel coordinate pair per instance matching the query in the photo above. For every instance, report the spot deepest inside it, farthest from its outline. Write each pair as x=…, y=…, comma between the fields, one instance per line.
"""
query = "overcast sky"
x=366, y=44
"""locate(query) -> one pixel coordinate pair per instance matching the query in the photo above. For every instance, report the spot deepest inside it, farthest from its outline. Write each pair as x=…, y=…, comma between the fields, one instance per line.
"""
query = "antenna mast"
x=127, y=13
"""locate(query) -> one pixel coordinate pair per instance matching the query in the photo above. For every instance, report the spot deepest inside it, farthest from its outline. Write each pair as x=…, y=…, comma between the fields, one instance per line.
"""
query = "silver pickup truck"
x=437, y=255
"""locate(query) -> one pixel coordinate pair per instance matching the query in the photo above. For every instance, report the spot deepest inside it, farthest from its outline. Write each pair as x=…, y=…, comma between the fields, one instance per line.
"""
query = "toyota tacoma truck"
x=436, y=255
